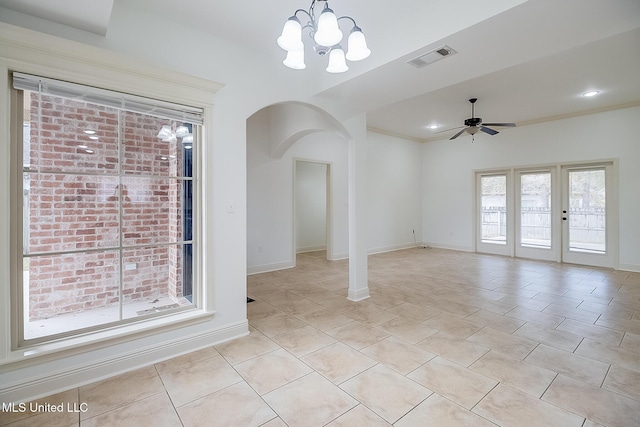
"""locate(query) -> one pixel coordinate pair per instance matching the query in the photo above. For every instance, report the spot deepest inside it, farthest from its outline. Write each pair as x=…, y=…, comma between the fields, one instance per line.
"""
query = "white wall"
x=394, y=192
x=311, y=206
x=270, y=244
x=449, y=182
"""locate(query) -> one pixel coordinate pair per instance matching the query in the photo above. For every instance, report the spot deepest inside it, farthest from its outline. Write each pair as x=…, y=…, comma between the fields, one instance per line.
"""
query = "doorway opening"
x=563, y=212
x=312, y=208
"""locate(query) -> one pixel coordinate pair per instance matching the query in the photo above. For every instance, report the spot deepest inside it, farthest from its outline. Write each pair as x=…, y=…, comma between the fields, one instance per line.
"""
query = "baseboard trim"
x=390, y=248
x=629, y=267
x=77, y=376
x=266, y=268
x=359, y=295
x=306, y=249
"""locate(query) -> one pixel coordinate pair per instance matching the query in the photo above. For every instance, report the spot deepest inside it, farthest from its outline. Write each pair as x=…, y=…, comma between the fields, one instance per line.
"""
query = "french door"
x=563, y=213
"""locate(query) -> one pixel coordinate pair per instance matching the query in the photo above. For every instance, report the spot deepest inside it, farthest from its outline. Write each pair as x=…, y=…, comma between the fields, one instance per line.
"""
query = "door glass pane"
x=494, y=209
x=535, y=210
x=587, y=203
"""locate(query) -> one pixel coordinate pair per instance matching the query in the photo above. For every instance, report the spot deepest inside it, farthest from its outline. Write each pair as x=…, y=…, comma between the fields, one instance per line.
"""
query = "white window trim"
x=30, y=52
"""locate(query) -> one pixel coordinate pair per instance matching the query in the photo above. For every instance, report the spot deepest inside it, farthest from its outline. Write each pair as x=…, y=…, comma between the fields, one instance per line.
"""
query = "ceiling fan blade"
x=457, y=134
x=447, y=130
x=488, y=130
x=510, y=125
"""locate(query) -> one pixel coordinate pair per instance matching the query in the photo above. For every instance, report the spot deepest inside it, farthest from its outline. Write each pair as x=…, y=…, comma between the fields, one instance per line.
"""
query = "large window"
x=108, y=208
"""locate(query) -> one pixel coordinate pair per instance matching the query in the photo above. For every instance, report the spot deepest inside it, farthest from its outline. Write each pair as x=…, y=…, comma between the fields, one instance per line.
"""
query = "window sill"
x=100, y=339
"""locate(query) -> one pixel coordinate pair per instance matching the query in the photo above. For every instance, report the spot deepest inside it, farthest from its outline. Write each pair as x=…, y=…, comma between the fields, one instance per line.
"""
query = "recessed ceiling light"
x=187, y=147
x=434, y=126
x=591, y=93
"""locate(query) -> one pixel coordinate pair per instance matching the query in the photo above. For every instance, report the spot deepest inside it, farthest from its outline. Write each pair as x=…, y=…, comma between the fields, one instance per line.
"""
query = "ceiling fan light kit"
x=474, y=124
x=324, y=31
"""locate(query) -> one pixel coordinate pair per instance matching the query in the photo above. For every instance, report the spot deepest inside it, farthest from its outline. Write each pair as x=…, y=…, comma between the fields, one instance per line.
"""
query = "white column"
x=358, y=275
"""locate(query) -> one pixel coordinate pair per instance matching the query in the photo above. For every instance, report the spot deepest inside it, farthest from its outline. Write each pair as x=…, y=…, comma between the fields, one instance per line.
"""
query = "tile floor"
x=446, y=339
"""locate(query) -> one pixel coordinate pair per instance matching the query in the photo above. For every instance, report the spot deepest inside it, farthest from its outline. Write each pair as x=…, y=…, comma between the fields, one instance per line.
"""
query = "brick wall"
x=69, y=209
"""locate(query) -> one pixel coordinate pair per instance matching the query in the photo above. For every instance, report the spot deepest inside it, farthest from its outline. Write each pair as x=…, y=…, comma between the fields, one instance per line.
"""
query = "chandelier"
x=326, y=36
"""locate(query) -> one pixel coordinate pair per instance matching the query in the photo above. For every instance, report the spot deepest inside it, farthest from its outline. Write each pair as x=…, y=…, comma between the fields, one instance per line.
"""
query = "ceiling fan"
x=474, y=124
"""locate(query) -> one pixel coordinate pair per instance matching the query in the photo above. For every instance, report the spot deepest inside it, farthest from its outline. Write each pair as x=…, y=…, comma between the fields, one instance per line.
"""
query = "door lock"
x=564, y=212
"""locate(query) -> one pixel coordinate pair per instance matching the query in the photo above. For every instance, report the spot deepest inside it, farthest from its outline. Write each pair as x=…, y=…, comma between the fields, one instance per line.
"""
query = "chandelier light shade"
x=326, y=35
x=357, y=45
x=291, y=38
x=337, y=63
x=295, y=59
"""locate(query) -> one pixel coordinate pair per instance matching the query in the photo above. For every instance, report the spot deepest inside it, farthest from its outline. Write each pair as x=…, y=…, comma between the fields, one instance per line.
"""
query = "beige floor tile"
x=492, y=306
x=413, y=311
x=121, y=390
x=453, y=348
x=409, y=330
x=385, y=300
x=524, y=376
x=495, y=321
x=245, y=348
x=279, y=323
x=360, y=416
x=298, y=306
x=509, y=407
x=623, y=381
x=385, y=392
x=598, y=333
x=441, y=412
x=237, y=405
x=186, y=360
x=571, y=313
x=325, y=320
x=357, y=335
x=614, y=355
x=624, y=325
x=547, y=320
x=34, y=415
x=631, y=342
x=529, y=302
x=316, y=293
x=455, y=382
x=397, y=354
x=554, y=338
x=155, y=410
x=272, y=370
x=199, y=380
x=507, y=344
x=594, y=403
x=309, y=401
x=455, y=308
x=276, y=422
x=259, y=309
x=369, y=314
x=572, y=365
x=610, y=310
x=338, y=362
x=304, y=341
x=452, y=325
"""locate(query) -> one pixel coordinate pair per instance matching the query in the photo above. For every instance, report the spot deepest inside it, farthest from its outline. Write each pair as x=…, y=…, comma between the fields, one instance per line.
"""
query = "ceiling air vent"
x=431, y=57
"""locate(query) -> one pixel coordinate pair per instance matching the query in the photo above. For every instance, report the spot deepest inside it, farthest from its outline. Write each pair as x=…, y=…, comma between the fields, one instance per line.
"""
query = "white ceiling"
x=526, y=61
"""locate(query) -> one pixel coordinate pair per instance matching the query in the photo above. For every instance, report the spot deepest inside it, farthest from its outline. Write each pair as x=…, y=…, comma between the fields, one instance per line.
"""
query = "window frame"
x=198, y=312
